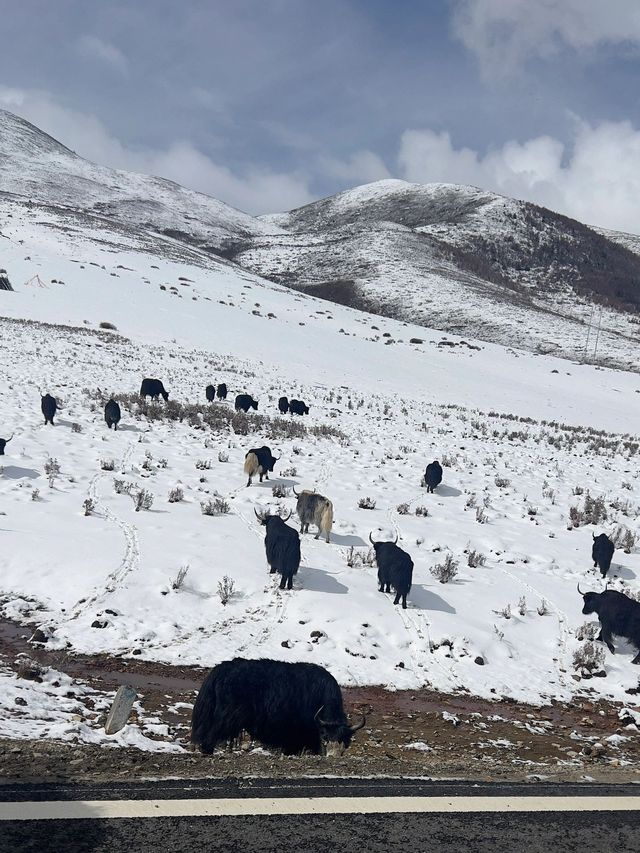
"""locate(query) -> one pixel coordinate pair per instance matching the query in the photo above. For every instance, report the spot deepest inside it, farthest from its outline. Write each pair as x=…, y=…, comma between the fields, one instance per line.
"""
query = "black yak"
x=283, y=405
x=298, y=407
x=153, y=388
x=618, y=614
x=112, y=414
x=395, y=569
x=433, y=476
x=282, y=545
x=260, y=461
x=289, y=706
x=3, y=443
x=246, y=402
x=314, y=509
x=49, y=406
x=222, y=391
x=602, y=552
x=210, y=393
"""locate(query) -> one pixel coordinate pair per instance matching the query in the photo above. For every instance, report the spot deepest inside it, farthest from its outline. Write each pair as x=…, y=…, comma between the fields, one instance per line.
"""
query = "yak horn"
x=316, y=715
x=360, y=725
x=370, y=539
x=579, y=590
x=9, y=439
x=395, y=541
x=289, y=516
x=293, y=489
x=260, y=516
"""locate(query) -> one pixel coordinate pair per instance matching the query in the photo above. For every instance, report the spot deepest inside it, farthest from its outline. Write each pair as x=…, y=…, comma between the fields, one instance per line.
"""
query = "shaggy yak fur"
x=289, y=706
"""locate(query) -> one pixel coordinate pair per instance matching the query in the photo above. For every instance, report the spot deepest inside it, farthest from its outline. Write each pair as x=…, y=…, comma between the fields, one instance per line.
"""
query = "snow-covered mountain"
x=36, y=167
x=463, y=260
x=522, y=437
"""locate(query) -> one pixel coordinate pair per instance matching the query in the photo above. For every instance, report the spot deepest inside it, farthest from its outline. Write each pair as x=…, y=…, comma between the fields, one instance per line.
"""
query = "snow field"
x=116, y=566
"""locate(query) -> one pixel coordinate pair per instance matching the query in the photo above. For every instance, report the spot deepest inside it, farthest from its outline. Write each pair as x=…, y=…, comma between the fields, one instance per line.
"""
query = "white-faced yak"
x=294, y=707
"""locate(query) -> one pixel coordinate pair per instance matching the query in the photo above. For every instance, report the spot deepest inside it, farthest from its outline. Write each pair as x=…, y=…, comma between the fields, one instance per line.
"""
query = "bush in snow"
x=289, y=472
x=179, y=579
x=543, y=608
x=589, y=657
x=475, y=559
x=106, y=325
x=522, y=606
x=481, y=515
x=588, y=631
x=217, y=506
x=162, y=462
x=122, y=487
x=89, y=506
x=422, y=511
x=356, y=559
x=203, y=464
x=142, y=499
x=505, y=612
x=367, y=503
x=35, y=495
x=402, y=509
x=502, y=482
x=624, y=538
x=226, y=588
x=176, y=494
x=445, y=571
x=223, y=457
x=52, y=470
x=107, y=464
x=279, y=491
x=76, y=428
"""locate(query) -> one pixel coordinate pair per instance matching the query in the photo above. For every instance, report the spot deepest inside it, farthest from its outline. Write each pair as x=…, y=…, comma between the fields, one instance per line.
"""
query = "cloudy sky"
x=268, y=104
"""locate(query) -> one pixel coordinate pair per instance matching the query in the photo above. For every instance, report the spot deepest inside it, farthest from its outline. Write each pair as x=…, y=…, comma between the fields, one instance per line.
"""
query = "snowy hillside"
x=462, y=260
x=382, y=407
x=37, y=168
x=523, y=439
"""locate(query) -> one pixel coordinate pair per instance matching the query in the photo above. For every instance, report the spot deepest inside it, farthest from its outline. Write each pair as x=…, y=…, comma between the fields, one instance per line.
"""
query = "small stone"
x=479, y=660
x=38, y=636
x=99, y=623
x=286, y=644
x=20, y=700
x=317, y=634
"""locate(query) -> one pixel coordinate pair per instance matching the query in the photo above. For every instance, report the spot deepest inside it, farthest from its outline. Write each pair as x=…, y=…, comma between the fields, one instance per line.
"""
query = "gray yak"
x=314, y=509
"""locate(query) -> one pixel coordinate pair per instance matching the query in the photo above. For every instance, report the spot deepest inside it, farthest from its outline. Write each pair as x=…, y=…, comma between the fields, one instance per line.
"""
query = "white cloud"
x=506, y=33
x=362, y=167
x=91, y=47
x=255, y=189
x=595, y=180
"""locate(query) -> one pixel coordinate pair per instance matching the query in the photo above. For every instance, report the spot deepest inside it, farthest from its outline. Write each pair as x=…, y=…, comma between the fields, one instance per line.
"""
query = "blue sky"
x=268, y=104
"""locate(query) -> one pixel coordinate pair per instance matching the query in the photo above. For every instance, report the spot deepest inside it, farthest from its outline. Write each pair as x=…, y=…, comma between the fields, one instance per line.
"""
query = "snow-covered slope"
x=462, y=260
x=36, y=167
x=386, y=397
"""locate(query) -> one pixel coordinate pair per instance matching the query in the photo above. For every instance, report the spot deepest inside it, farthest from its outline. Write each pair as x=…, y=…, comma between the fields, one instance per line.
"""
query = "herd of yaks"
x=298, y=706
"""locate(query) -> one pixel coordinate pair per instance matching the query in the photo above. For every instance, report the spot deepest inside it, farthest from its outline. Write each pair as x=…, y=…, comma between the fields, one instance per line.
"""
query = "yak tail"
x=326, y=520
x=250, y=464
x=202, y=716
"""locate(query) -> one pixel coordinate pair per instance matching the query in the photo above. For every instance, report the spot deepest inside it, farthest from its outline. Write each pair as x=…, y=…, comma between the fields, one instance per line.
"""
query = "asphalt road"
x=317, y=815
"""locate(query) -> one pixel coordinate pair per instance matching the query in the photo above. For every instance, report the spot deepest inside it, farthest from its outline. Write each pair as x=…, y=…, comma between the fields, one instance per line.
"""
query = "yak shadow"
x=14, y=472
x=349, y=539
x=128, y=428
x=618, y=571
x=316, y=580
x=444, y=491
x=425, y=599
